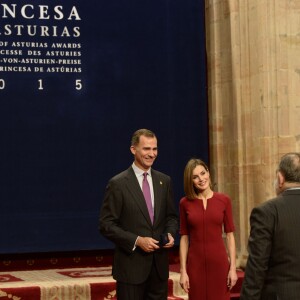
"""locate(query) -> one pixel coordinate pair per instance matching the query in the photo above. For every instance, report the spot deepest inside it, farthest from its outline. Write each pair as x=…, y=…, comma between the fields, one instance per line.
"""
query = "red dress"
x=207, y=260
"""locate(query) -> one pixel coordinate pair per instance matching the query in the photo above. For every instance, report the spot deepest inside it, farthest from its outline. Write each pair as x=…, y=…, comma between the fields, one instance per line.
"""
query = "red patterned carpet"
x=68, y=284
x=74, y=284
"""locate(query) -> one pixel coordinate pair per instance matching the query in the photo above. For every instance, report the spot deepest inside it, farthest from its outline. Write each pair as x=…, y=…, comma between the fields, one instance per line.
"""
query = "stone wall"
x=253, y=57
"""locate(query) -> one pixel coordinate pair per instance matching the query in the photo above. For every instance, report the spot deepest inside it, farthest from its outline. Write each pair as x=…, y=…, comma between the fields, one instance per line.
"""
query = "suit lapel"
x=157, y=188
x=137, y=194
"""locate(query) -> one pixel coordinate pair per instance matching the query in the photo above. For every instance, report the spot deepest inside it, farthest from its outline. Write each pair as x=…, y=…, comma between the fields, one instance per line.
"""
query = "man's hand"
x=147, y=244
x=170, y=244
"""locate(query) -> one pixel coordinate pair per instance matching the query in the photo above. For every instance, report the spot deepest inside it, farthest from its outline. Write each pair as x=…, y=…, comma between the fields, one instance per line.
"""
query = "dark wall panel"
x=77, y=78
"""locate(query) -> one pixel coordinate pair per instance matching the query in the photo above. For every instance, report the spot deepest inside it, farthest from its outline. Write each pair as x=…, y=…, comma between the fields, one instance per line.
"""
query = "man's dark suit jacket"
x=273, y=267
x=124, y=217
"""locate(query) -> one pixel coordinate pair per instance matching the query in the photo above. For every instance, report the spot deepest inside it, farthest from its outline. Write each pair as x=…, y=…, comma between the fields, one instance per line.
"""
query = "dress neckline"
x=204, y=205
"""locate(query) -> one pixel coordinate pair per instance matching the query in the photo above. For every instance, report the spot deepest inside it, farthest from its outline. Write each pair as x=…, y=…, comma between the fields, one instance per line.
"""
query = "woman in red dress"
x=207, y=269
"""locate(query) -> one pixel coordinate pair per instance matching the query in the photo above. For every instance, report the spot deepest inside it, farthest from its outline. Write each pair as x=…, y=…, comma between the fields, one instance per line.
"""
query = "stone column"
x=253, y=57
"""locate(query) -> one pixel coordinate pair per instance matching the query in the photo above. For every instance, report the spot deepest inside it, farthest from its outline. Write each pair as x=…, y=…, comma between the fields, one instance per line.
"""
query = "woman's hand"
x=231, y=278
x=184, y=281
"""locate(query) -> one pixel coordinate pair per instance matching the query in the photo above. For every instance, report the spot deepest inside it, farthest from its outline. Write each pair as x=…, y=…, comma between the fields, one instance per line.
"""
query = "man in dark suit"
x=141, y=266
x=273, y=266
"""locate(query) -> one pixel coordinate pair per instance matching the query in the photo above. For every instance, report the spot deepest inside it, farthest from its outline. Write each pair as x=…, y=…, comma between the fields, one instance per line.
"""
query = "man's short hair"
x=136, y=136
x=289, y=167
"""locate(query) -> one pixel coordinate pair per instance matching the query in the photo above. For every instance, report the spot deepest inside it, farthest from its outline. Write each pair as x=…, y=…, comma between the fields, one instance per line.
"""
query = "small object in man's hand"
x=163, y=239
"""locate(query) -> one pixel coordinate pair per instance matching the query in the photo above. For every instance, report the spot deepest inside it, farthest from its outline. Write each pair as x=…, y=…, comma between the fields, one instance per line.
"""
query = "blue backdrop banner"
x=77, y=78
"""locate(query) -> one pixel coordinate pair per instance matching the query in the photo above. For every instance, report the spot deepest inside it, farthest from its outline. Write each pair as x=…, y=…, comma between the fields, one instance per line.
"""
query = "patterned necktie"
x=147, y=195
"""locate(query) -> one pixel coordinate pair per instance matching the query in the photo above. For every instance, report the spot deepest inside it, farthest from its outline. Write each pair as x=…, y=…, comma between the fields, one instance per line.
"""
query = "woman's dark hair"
x=189, y=189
